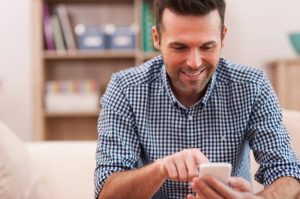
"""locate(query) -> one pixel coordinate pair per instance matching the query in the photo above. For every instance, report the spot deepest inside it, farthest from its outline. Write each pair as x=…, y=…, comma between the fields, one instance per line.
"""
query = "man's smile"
x=194, y=74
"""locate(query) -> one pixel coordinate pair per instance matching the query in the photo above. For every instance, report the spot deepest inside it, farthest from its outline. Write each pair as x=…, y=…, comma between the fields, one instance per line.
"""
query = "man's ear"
x=155, y=37
x=223, y=36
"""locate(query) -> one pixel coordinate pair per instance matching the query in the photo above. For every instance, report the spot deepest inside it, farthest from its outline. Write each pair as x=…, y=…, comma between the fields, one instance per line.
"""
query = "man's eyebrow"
x=177, y=43
x=209, y=43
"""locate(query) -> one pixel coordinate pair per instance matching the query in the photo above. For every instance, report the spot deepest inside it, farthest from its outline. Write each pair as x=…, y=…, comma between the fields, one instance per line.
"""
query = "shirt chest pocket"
x=222, y=145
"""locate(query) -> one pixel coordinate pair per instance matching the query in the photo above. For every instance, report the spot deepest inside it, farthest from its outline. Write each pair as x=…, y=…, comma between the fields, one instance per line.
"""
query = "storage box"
x=71, y=103
x=90, y=37
x=71, y=96
x=120, y=37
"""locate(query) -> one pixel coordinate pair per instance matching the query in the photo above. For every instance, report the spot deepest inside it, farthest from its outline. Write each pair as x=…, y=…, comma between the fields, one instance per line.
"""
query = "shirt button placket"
x=189, y=117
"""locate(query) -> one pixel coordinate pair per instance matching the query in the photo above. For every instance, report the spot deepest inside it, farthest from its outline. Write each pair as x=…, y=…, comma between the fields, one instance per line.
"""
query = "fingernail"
x=193, y=185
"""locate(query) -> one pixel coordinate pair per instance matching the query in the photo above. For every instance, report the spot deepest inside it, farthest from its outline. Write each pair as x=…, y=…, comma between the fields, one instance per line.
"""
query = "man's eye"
x=207, y=48
x=179, y=47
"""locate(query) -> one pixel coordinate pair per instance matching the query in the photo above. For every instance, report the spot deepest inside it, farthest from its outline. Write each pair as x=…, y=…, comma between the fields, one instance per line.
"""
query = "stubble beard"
x=193, y=88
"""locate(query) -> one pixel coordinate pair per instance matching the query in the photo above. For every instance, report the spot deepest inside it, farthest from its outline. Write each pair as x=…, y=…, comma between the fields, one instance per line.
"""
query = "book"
x=58, y=37
x=48, y=32
x=67, y=30
x=148, y=20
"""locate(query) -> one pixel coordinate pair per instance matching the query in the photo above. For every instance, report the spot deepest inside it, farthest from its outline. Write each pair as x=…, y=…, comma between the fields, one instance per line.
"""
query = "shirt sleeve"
x=118, y=146
x=269, y=138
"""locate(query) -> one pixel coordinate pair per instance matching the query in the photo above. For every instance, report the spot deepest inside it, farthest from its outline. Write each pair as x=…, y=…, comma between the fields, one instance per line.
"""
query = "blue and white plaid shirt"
x=142, y=120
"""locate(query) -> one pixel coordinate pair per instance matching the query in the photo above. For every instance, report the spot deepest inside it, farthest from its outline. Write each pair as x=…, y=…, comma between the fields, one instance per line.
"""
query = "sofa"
x=45, y=169
x=64, y=169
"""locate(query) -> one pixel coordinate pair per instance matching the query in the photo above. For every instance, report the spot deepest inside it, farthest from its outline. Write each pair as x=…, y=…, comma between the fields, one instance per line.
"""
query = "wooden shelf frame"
x=285, y=75
x=73, y=114
x=53, y=65
x=107, y=54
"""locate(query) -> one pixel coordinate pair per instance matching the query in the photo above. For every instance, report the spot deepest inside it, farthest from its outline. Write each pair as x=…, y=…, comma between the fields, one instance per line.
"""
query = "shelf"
x=89, y=1
x=286, y=62
x=150, y=55
x=284, y=75
x=105, y=54
x=77, y=65
x=72, y=114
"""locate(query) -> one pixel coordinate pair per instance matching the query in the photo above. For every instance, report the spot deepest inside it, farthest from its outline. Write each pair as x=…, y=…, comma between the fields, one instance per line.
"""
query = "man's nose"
x=194, y=59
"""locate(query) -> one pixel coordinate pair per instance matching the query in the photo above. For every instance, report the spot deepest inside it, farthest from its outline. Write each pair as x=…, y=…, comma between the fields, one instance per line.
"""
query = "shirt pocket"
x=222, y=145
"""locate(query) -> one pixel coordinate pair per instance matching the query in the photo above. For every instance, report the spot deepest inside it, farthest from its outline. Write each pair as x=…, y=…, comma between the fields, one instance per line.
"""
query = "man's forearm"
x=141, y=183
x=285, y=187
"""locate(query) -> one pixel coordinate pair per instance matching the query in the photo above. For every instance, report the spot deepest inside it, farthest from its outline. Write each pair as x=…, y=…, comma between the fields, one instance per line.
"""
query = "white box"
x=68, y=102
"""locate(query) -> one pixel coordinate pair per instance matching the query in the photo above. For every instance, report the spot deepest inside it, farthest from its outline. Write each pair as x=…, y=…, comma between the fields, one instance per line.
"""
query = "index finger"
x=240, y=184
x=199, y=157
x=222, y=189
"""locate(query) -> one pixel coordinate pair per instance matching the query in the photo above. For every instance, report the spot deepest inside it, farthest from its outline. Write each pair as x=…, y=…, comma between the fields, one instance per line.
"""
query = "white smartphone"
x=221, y=171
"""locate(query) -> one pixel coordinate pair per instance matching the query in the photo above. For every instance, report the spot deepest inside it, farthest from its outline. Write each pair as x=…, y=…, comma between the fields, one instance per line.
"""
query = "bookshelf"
x=64, y=63
x=285, y=75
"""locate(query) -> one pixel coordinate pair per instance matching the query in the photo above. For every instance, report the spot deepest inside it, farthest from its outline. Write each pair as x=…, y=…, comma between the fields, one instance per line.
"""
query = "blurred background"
x=40, y=74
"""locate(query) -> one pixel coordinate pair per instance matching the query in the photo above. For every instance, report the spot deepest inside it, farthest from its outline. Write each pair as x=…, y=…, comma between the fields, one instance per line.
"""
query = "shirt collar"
x=203, y=101
x=167, y=86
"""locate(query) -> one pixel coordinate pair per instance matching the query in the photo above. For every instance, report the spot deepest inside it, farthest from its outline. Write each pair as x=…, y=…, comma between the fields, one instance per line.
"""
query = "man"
x=190, y=107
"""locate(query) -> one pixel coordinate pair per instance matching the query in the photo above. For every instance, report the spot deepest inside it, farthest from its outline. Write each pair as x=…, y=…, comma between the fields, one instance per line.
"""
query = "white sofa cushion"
x=68, y=167
x=18, y=178
x=291, y=119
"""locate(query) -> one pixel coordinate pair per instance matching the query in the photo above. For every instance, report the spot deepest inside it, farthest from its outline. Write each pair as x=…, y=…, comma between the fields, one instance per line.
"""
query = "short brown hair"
x=189, y=7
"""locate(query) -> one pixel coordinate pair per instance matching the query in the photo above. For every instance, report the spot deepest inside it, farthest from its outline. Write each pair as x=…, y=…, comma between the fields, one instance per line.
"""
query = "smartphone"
x=221, y=171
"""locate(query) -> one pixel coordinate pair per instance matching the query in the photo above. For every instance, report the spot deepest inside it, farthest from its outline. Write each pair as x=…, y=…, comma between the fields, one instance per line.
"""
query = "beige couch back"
x=292, y=121
x=67, y=167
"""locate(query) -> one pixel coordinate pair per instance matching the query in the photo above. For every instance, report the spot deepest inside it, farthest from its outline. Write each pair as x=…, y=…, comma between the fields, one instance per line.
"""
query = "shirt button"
x=190, y=117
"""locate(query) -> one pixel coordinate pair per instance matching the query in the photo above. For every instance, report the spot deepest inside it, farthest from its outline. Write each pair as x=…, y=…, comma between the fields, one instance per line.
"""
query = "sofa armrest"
x=291, y=119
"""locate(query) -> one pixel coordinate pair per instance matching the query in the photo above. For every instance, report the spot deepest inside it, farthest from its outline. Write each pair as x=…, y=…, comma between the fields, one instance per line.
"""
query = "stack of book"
x=58, y=31
x=60, y=35
x=71, y=96
x=148, y=21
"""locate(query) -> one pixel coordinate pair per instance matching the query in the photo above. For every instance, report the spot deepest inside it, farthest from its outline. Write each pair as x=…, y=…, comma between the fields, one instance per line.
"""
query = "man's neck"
x=188, y=100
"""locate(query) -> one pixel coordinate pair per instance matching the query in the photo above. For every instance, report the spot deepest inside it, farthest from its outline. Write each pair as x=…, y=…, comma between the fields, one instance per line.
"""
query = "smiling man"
x=187, y=107
x=191, y=48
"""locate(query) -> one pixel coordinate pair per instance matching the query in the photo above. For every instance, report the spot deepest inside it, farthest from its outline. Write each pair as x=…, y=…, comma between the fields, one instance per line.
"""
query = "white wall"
x=15, y=70
x=258, y=30
x=257, y=33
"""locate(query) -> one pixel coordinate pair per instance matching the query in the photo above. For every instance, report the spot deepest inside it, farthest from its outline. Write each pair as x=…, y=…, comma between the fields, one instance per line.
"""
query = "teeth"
x=192, y=74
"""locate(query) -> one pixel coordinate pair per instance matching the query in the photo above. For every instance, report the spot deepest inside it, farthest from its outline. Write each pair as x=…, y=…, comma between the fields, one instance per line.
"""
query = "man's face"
x=191, y=47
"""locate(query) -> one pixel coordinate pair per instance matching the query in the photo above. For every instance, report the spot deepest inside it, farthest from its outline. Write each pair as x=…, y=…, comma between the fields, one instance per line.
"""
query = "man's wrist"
x=260, y=196
x=161, y=168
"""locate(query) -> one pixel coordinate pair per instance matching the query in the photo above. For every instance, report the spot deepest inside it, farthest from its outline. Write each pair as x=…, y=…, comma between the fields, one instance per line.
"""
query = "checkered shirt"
x=141, y=120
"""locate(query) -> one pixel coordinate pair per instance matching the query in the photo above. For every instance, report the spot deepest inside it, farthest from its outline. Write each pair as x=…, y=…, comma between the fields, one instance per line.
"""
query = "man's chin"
x=193, y=91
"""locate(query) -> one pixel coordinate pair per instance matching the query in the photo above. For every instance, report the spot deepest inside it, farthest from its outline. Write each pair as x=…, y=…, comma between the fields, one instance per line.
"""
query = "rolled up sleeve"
x=270, y=140
x=118, y=146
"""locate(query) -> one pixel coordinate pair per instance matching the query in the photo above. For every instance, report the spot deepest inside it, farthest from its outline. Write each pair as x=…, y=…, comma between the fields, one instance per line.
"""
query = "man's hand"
x=209, y=187
x=182, y=166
